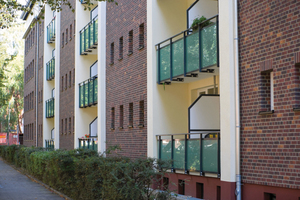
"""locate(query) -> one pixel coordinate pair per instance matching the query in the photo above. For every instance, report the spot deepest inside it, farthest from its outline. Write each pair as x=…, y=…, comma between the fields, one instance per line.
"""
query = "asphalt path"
x=17, y=186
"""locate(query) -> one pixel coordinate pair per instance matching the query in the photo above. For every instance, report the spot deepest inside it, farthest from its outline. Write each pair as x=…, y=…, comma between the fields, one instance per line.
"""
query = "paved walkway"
x=16, y=186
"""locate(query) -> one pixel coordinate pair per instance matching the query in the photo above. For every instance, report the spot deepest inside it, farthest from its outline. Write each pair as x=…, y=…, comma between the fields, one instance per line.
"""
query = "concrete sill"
x=269, y=112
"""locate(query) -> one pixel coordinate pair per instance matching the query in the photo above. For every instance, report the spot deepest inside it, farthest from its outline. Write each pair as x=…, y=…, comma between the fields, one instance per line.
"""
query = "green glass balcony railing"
x=89, y=37
x=50, y=108
x=188, y=51
x=49, y=144
x=50, y=69
x=88, y=143
x=191, y=152
x=51, y=31
x=88, y=92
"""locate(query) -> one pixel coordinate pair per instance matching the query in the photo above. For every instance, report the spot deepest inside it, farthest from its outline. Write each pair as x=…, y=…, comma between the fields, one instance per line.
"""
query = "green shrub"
x=84, y=174
x=198, y=21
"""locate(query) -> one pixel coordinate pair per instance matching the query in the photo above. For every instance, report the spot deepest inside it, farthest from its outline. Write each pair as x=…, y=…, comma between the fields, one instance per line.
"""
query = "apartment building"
x=219, y=99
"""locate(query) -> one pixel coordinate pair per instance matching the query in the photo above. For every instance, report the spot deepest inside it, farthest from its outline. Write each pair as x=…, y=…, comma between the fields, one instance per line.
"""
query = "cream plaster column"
x=57, y=81
x=227, y=90
x=101, y=76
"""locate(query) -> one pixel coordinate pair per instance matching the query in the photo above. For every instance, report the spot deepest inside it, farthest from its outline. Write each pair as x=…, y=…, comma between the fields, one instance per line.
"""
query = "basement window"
x=269, y=196
x=267, y=93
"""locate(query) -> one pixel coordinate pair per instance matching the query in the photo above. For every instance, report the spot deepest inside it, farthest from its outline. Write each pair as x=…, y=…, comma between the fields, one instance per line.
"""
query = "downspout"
x=187, y=13
x=238, y=191
x=36, y=82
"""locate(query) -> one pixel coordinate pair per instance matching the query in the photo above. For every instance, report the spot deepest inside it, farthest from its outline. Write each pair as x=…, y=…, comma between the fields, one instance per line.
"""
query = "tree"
x=11, y=76
x=8, y=8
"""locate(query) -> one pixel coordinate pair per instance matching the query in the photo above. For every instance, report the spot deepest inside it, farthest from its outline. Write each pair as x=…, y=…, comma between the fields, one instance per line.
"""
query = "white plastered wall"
x=83, y=116
x=164, y=19
x=101, y=76
x=227, y=90
x=49, y=123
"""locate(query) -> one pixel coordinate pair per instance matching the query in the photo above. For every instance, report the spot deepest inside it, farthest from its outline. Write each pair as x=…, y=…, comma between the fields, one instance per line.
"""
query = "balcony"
x=50, y=69
x=189, y=53
x=88, y=143
x=88, y=92
x=50, y=108
x=49, y=144
x=191, y=152
x=51, y=31
x=89, y=37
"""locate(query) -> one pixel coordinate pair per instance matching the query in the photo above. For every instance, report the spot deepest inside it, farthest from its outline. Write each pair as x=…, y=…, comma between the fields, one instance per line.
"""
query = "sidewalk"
x=16, y=186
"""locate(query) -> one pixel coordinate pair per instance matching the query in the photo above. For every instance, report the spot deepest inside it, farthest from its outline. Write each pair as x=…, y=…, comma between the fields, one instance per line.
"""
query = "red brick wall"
x=67, y=65
x=29, y=87
x=269, y=39
x=126, y=79
x=40, y=84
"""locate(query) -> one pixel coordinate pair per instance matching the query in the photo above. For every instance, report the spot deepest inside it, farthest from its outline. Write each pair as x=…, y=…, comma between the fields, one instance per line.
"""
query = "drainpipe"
x=238, y=191
x=187, y=14
x=36, y=82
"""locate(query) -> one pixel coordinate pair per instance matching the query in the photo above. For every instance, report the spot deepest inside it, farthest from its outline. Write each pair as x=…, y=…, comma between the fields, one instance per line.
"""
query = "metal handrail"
x=87, y=81
x=186, y=170
x=86, y=26
x=187, y=30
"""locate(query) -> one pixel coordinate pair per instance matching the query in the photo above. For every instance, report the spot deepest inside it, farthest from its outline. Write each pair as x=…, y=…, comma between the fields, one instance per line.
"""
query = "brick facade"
x=269, y=41
x=30, y=93
x=40, y=84
x=67, y=87
x=126, y=77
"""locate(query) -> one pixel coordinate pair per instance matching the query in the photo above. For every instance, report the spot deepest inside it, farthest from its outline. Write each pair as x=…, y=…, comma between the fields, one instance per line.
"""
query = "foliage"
x=9, y=8
x=197, y=21
x=84, y=174
x=11, y=75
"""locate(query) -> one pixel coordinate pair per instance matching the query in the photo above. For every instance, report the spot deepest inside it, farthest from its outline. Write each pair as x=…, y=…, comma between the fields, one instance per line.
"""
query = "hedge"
x=84, y=174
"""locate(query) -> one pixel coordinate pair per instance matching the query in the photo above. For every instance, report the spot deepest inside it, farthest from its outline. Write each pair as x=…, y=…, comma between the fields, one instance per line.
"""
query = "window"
x=267, y=93
x=130, y=42
x=141, y=114
x=199, y=190
x=70, y=31
x=141, y=36
x=112, y=115
x=165, y=183
x=130, y=117
x=62, y=83
x=121, y=119
x=70, y=81
x=66, y=125
x=66, y=82
x=112, y=52
x=62, y=126
x=73, y=76
x=67, y=35
x=73, y=124
x=218, y=192
x=269, y=196
x=121, y=48
x=181, y=187
x=69, y=125
x=62, y=40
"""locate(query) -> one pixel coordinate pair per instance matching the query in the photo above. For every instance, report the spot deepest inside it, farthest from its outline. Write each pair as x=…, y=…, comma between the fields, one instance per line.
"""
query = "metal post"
x=158, y=64
x=218, y=64
x=201, y=166
x=218, y=154
x=184, y=54
x=171, y=63
x=8, y=124
x=200, y=50
x=172, y=157
x=185, y=154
